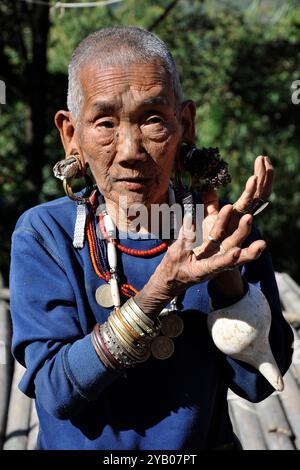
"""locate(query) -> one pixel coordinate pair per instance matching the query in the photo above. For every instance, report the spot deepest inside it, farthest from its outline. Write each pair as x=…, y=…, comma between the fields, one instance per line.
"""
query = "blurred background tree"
x=237, y=60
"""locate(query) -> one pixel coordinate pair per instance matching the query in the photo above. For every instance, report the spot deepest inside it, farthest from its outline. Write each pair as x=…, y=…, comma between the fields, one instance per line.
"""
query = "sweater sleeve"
x=63, y=371
x=243, y=379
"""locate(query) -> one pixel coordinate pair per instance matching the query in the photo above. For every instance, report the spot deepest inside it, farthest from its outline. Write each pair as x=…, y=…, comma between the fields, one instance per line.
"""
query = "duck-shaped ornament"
x=241, y=331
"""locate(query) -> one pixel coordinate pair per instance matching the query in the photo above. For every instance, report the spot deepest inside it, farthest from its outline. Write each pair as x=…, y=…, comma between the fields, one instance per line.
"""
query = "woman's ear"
x=188, y=114
x=64, y=123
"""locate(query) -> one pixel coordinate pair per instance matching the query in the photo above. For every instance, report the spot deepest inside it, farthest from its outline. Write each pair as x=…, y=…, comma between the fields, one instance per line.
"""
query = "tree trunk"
x=37, y=96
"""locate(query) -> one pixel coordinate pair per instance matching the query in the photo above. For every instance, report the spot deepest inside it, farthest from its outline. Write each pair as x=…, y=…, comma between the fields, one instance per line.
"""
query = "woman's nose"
x=129, y=144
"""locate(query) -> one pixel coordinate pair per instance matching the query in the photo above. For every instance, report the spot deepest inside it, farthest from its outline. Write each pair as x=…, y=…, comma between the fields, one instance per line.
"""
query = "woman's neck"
x=136, y=218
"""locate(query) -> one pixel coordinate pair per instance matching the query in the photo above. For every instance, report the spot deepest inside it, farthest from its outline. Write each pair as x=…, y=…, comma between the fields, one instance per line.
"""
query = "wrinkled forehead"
x=147, y=79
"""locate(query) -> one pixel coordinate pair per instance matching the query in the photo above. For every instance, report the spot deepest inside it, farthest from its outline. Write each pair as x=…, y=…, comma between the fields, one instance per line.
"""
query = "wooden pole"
x=33, y=428
x=4, y=293
x=18, y=415
x=290, y=399
x=289, y=294
x=277, y=431
x=6, y=364
x=247, y=425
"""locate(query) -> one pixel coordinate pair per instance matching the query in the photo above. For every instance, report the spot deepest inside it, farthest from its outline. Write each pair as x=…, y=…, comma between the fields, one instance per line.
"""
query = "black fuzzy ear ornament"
x=201, y=168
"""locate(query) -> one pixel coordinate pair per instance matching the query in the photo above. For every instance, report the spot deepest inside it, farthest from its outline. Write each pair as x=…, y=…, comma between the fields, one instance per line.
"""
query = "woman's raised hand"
x=221, y=252
x=183, y=265
x=257, y=190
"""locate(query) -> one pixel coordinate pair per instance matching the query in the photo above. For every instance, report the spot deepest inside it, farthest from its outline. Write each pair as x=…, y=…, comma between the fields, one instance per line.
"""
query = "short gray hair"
x=112, y=46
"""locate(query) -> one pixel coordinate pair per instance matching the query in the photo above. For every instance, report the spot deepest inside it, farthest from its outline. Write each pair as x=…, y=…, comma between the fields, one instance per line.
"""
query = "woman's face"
x=130, y=130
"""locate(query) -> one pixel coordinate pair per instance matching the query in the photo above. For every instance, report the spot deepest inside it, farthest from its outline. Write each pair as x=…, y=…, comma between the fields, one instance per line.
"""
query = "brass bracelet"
x=134, y=306
x=127, y=310
x=115, y=347
x=123, y=312
x=155, y=325
x=99, y=352
x=102, y=356
x=122, y=341
x=148, y=333
x=133, y=353
x=112, y=360
x=129, y=328
x=136, y=354
x=130, y=353
x=113, y=319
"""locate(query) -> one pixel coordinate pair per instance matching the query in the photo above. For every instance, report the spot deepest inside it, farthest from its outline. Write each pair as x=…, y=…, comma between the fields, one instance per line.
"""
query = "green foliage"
x=237, y=61
x=239, y=66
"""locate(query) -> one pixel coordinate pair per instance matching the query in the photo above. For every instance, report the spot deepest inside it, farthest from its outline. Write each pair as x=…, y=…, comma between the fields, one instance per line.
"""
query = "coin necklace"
x=107, y=295
x=162, y=347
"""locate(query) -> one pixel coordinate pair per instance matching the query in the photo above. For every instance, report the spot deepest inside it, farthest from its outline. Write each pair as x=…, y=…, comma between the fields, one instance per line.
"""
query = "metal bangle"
x=126, y=325
x=115, y=321
x=132, y=353
x=155, y=325
x=109, y=358
x=134, y=306
x=151, y=331
x=134, y=349
x=123, y=312
x=115, y=346
x=148, y=330
x=106, y=351
x=99, y=352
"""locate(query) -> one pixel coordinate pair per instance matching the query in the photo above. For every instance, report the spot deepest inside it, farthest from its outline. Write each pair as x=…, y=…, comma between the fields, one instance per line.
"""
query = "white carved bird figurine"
x=241, y=331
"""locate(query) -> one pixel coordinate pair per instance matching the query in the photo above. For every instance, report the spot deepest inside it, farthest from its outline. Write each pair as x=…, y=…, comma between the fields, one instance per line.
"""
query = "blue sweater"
x=179, y=403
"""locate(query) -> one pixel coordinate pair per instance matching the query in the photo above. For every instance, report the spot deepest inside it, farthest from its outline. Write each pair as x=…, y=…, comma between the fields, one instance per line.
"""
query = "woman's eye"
x=154, y=120
x=106, y=124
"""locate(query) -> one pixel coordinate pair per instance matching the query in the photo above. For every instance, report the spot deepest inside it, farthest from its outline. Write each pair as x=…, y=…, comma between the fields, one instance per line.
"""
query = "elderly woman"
x=112, y=327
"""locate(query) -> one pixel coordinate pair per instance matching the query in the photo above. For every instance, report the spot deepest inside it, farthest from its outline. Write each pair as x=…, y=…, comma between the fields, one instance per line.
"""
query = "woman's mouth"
x=133, y=184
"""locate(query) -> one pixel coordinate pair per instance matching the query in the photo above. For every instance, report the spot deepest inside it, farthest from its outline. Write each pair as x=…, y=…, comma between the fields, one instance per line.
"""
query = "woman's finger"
x=211, y=202
x=259, y=171
x=258, y=187
x=232, y=258
x=211, y=245
x=187, y=233
x=218, y=231
x=251, y=253
x=217, y=263
x=241, y=205
x=240, y=234
x=269, y=178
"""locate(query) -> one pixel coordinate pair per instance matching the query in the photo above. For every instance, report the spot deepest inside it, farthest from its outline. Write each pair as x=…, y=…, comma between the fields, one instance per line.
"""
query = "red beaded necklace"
x=131, y=251
x=126, y=289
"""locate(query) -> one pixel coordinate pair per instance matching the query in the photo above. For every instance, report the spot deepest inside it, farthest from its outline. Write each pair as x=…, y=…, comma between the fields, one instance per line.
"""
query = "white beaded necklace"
x=112, y=251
